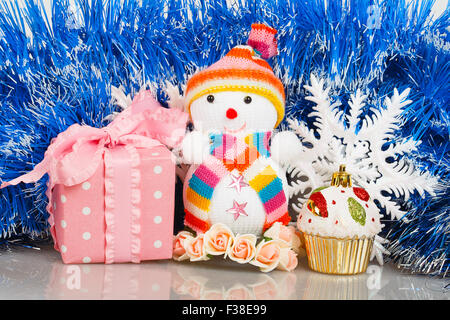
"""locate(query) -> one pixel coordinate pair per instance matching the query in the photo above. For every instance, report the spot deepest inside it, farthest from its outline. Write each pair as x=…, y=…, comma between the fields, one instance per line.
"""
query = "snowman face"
x=233, y=112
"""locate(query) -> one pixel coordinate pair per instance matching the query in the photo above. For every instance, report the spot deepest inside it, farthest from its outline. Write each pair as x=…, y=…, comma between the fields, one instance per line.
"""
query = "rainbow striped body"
x=208, y=196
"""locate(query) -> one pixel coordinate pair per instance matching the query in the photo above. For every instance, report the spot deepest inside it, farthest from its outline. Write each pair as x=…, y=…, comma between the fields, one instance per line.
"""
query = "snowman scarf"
x=250, y=157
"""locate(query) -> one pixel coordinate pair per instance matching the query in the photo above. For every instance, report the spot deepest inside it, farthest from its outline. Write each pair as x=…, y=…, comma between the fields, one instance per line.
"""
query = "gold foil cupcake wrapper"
x=338, y=256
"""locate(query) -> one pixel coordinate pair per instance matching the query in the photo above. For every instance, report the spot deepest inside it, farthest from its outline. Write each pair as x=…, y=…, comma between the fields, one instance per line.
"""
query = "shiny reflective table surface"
x=31, y=274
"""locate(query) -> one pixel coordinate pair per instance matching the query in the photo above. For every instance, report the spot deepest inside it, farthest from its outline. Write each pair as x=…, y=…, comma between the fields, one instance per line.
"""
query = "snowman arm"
x=285, y=148
x=195, y=147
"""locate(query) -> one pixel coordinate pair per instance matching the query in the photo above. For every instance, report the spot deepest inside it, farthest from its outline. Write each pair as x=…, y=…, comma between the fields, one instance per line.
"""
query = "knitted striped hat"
x=242, y=69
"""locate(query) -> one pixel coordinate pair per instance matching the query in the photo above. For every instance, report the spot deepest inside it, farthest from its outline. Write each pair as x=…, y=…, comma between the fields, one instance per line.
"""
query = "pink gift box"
x=79, y=212
x=111, y=190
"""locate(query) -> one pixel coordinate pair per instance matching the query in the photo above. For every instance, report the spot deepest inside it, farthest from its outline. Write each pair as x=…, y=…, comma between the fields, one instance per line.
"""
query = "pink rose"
x=268, y=254
x=243, y=249
x=287, y=287
x=287, y=234
x=288, y=260
x=266, y=290
x=238, y=292
x=218, y=239
x=178, y=284
x=179, y=249
x=195, y=248
x=194, y=289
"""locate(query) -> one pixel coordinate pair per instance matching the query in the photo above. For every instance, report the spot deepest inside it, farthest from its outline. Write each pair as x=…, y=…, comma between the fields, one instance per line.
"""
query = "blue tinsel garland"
x=63, y=72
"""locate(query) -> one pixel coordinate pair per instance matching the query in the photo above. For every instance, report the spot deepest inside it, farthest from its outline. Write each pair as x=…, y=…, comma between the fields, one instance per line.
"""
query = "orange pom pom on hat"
x=242, y=69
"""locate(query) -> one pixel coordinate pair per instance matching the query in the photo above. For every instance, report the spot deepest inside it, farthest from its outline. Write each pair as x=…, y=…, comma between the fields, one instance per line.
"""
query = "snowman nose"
x=231, y=113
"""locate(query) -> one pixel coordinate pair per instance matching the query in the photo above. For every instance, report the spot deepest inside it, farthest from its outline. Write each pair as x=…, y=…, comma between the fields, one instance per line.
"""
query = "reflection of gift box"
x=111, y=190
x=144, y=281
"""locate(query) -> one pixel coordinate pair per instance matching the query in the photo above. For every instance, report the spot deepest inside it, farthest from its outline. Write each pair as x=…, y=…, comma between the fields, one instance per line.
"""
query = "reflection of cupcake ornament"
x=336, y=217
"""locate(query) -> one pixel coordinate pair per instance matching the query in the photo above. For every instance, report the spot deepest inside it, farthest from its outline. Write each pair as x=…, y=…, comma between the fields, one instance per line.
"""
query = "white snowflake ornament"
x=175, y=98
x=388, y=174
x=378, y=250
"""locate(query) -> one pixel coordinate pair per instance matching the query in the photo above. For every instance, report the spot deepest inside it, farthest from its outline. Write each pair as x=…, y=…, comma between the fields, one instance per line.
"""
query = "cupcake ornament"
x=339, y=223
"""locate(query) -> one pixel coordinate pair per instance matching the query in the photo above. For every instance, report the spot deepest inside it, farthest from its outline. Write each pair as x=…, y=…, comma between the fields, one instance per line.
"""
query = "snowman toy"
x=236, y=176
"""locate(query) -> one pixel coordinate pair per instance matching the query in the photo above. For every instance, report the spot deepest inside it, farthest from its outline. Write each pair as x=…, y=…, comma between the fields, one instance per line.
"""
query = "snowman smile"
x=236, y=130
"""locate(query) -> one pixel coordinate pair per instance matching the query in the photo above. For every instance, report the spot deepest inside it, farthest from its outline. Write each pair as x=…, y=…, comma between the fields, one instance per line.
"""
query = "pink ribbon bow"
x=75, y=154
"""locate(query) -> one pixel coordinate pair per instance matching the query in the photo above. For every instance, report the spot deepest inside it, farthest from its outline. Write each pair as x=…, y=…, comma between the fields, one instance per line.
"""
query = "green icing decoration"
x=357, y=211
x=319, y=188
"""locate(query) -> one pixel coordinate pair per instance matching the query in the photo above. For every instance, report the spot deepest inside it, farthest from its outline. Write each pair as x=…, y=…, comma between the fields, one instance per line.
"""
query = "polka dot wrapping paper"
x=79, y=213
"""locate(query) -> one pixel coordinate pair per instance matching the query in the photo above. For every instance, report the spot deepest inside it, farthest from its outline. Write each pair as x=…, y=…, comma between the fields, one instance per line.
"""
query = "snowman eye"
x=248, y=99
x=210, y=98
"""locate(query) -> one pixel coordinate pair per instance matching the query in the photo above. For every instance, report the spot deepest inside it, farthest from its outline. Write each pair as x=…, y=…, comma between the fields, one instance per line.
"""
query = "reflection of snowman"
x=234, y=105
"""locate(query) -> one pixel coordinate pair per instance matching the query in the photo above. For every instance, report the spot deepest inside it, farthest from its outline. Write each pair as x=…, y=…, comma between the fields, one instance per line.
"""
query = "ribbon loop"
x=143, y=126
x=112, y=138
